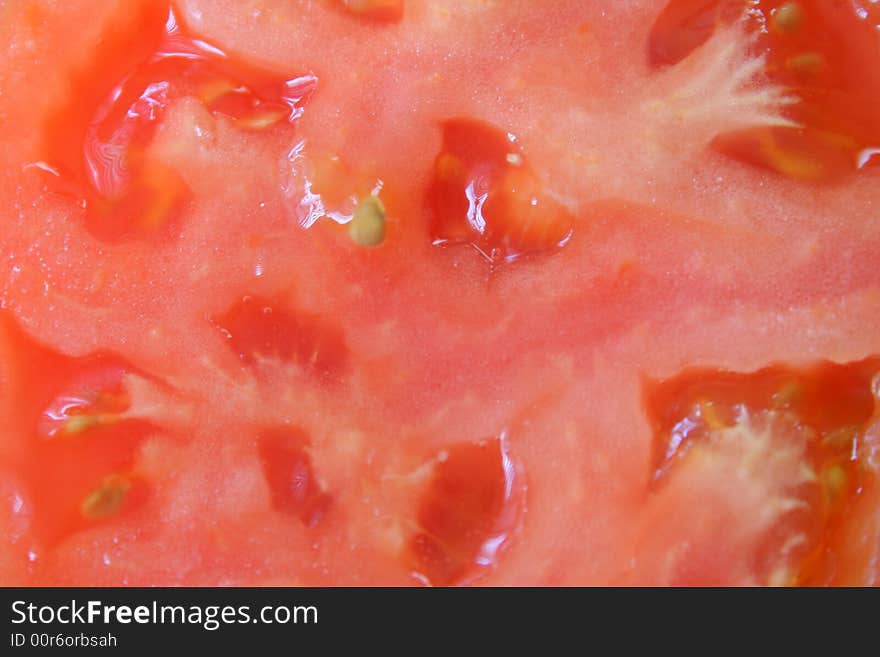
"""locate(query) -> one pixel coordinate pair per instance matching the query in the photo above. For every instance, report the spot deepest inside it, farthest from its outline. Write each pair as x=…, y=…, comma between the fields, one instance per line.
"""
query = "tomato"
x=439, y=293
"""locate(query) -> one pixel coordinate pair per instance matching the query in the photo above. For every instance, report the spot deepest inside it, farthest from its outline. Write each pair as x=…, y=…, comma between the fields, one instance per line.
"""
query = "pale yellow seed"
x=107, y=500
x=789, y=393
x=215, y=90
x=780, y=577
x=835, y=481
x=367, y=227
x=81, y=423
x=841, y=438
x=788, y=18
x=808, y=64
x=365, y=6
x=709, y=413
x=261, y=121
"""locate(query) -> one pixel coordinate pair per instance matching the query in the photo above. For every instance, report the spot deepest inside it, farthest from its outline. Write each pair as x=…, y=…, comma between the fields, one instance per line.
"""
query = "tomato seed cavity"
x=796, y=431
x=466, y=514
x=811, y=49
x=99, y=141
x=485, y=194
x=287, y=467
x=258, y=329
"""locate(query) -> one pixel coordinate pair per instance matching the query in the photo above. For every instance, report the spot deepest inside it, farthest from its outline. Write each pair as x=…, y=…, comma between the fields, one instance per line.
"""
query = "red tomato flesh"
x=419, y=293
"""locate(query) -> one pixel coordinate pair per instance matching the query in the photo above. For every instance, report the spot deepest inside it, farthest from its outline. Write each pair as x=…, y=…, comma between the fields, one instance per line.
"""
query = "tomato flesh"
x=199, y=361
